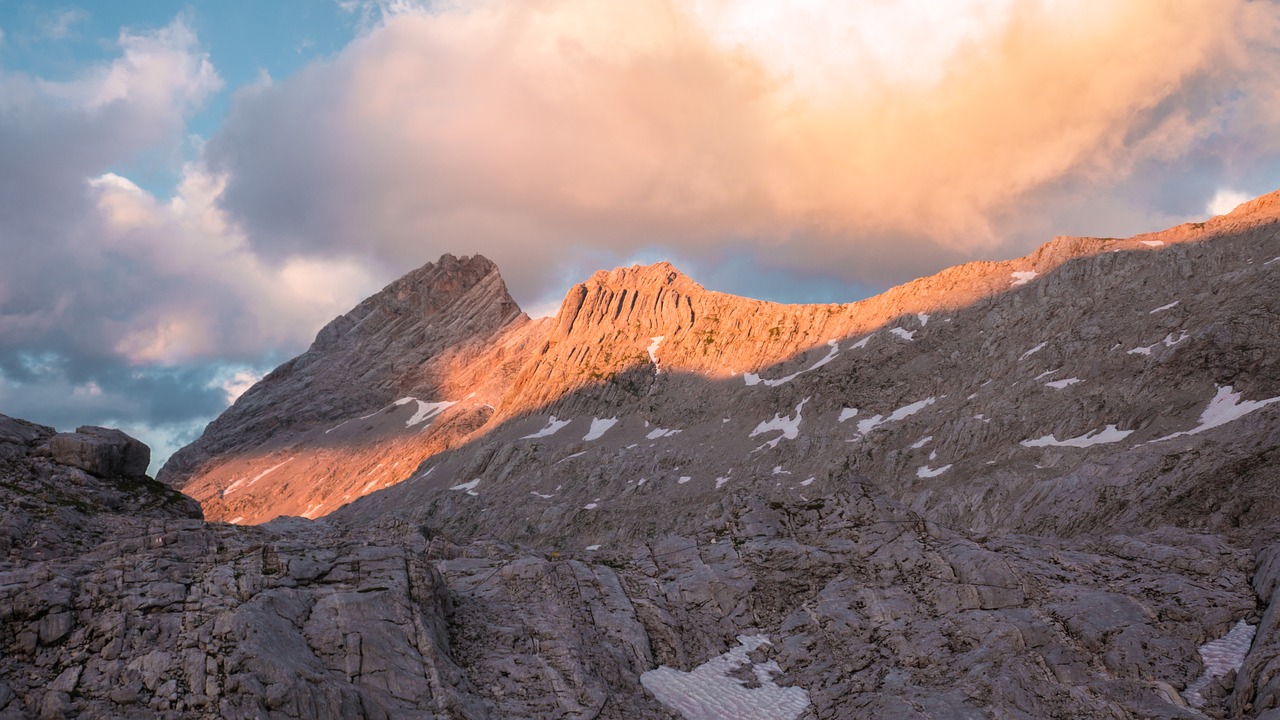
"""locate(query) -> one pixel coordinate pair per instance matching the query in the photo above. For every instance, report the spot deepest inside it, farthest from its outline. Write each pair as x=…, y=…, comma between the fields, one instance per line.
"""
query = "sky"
x=188, y=192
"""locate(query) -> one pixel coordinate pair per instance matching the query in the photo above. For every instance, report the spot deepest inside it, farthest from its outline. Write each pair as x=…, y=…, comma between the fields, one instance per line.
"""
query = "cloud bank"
x=875, y=143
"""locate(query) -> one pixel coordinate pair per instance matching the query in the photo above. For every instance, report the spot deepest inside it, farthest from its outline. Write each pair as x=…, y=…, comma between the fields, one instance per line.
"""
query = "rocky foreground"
x=1045, y=488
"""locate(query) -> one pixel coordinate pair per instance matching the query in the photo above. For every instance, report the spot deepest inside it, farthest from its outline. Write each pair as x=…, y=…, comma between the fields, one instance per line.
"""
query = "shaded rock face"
x=1043, y=488
x=101, y=451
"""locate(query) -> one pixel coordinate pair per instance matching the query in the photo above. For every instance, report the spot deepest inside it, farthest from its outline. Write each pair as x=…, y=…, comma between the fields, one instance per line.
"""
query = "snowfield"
x=711, y=692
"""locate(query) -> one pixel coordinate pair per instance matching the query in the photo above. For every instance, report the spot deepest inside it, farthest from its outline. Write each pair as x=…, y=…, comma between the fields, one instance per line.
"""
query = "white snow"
x=720, y=481
x=312, y=510
x=863, y=342
x=924, y=318
x=1109, y=434
x=777, y=470
x=710, y=692
x=598, y=428
x=365, y=490
x=921, y=442
x=654, y=342
x=592, y=505
x=866, y=426
x=256, y=478
x=1274, y=259
x=1152, y=243
x=1170, y=340
x=927, y=472
x=683, y=479
x=544, y=497
x=847, y=413
x=1022, y=277
x=1142, y=350
x=236, y=520
x=426, y=410
x=468, y=487
x=1220, y=657
x=754, y=379
x=904, y=334
x=789, y=426
x=567, y=458
x=661, y=433
x=1162, y=308
x=1033, y=351
x=1060, y=384
x=1047, y=373
x=593, y=548
x=807, y=482
x=553, y=427
x=1224, y=407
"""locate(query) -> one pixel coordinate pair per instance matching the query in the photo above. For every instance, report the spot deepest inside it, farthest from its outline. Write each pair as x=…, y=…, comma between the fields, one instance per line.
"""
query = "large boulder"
x=104, y=452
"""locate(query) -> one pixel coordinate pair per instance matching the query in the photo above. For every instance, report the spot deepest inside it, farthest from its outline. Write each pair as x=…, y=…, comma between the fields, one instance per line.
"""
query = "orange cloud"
x=519, y=128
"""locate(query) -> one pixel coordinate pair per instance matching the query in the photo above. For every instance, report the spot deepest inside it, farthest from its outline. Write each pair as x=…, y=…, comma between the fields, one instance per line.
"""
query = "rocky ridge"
x=1034, y=489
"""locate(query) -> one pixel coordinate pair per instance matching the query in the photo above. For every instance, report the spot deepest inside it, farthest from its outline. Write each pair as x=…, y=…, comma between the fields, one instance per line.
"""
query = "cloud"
x=117, y=306
x=1226, y=200
x=62, y=24
x=888, y=143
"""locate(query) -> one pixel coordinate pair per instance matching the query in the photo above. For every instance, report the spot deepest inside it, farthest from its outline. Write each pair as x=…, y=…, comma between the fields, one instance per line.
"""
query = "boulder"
x=104, y=452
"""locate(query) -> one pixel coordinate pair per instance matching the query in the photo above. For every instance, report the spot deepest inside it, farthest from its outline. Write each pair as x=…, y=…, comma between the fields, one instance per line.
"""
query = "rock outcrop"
x=104, y=452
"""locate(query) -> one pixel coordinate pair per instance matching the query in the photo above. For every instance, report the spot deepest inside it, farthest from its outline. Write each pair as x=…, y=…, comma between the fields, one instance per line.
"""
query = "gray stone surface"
x=502, y=565
x=104, y=452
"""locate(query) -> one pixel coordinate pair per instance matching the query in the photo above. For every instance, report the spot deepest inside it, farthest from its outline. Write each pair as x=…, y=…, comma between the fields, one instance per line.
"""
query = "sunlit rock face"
x=1036, y=488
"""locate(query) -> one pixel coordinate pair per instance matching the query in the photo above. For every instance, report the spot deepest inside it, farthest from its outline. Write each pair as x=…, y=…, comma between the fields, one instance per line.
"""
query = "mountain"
x=1040, y=488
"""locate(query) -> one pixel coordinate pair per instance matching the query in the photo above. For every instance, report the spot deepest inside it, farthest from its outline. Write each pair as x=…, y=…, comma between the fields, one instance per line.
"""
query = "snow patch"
x=1109, y=434
x=592, y=548
x=1060, y=384
x=553, y=427
x=683, y=479
x=654, y=342
x=711, y=692
x=806, y=482
x=866, y=426
x=426, y=410
x=1152, y=243
x=1162, y=308
x=863, y=342
x=927, y=472
x=592, y=505
x=544, y=497
x=789, y=426
x=923, y=318
x=468, y=487
x=1033, y=351
x=754, y=379
x=1022, y=277
x=661, y=433
x=921, y=442
x=720, y=481
x=598, y=427
x=1223, y=408
x=847, y=413
x=904, y=334
x=1220, y=657
x=567, y=458
x=255, y=479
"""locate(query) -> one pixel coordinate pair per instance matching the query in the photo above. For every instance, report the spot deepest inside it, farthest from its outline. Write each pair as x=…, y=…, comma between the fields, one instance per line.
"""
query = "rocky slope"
x=1043, y=488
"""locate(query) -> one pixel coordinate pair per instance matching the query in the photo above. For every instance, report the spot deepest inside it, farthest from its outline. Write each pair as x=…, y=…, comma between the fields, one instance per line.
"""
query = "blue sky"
x=190, y=191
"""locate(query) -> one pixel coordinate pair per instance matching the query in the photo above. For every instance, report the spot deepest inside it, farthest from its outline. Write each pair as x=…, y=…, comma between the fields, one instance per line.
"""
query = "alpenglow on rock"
x=964, y=497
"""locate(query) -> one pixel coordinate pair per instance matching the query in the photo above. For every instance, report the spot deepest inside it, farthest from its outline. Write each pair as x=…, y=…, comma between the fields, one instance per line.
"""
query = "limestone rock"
x=104, y=452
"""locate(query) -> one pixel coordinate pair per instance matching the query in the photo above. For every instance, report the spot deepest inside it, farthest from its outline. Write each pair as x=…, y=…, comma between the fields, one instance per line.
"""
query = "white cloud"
x=1224, y=201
